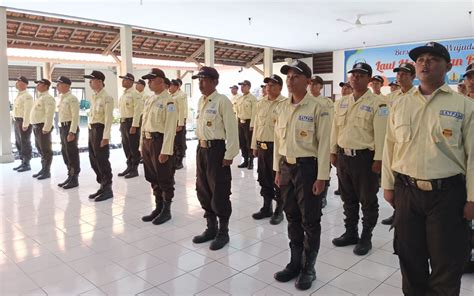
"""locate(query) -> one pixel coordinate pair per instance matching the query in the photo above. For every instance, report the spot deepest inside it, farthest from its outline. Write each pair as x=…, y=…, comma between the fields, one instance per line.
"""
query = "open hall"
x=236, y=147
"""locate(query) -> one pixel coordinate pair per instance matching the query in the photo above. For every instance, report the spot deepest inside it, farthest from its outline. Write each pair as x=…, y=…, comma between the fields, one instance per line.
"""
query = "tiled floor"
x=57, y=242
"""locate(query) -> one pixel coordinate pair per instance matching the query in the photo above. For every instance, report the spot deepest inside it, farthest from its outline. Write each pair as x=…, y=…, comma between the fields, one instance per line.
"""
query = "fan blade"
x=344, y=21
x=377, y=23
x=348, y=29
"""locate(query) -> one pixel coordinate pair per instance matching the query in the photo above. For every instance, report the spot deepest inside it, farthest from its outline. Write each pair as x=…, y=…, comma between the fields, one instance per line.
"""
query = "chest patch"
x=457, y=115
x=306, y=118
x=366, y=108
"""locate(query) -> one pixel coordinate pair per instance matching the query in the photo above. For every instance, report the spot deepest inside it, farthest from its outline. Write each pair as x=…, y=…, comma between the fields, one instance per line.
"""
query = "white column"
x=209, y=52
x=126, y=50
x=267, y=61
x=47, y=71
x=5, y=121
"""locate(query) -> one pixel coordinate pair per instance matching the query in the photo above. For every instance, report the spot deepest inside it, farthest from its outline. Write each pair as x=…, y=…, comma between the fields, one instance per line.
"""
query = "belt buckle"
x=348, y=152
x=290, y=160
x=203, y=144
x=424, y=185
x=242, y=121
x=148, y=135
x=263, y=146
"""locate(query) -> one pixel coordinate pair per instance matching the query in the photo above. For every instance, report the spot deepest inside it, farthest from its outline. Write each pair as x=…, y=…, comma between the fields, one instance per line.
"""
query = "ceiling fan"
x=358, y=24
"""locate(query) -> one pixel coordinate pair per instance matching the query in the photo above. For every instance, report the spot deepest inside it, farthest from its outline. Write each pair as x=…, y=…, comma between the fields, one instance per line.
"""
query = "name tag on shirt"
x=305, y=118
x=366, y=108
x=457, y=115
x=344, y=105
x=211, y=111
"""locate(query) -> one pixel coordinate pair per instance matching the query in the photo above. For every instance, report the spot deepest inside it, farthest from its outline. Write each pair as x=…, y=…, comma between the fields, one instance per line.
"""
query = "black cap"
x=167, y=81
x=407, y=67
x=461, y=81
x=275, y=78
x=262, y=85
x=234, y=86
x=431, y=47
x=128, y=76
x=361, y=67
x=317, y=79
x=245, y=82
x=141, y=81
x=298, y=66
x=469, y=70
x=175, y=82
x=179, y=81
x=378, y=78
x=206, y=72
x=22, y=79
x=43, y=81
x=155, y=72
x=342, y=84
x=95, y=75
x=393, y=83
x=63, y=79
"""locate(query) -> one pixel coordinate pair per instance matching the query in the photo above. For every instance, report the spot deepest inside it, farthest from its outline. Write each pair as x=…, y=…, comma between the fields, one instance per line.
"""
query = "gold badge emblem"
x=303, y=133
x=447, y=132
x=209, y=123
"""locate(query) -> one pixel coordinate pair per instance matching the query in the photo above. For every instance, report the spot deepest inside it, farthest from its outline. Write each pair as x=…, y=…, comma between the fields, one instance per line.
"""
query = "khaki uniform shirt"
x=265, y=118
x=392, y=97
x=246, y=107
x=68, y=110
x=160, y=115
x=22, y=107
x=233, y=100
x=359, y=124
x=303, y=131
x=430, y=139
x=43, y=111
x=102, y=111
x=181, y=99
x=130, y=106
x=216, y=121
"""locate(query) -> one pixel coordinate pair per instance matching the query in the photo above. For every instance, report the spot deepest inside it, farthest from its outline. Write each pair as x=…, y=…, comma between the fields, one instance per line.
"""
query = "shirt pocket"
x=280, y=127
x=340, y=117
x=363, y=119
x=448, y=130
x=402, y=127
x=209, y=119
x=304, y=132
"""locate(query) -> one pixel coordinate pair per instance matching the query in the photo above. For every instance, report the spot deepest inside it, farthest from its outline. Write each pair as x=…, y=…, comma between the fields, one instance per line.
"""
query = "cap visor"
x=149, y=76
x=416, y=52
x=89, y=77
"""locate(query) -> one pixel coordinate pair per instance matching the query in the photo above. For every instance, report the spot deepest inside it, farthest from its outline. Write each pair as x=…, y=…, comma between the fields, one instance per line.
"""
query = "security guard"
x=234, y=90
x=346, y=88
x=68, y=117
x=315, y=88
x=216, y=130
x=140, y=87
x=159, y=129
x=394, y=86
x=42, y=116
x=469, y=81
x=181, y=100
x=301, y=162
x=356, y=150
x=262, y=146
x=21, y=113
x=428, y=166
x=245, y=110
x=100, y=121
x=405, y=74
x=376, y=83
x=264, y=93
x=130, y=108
x=462, y=88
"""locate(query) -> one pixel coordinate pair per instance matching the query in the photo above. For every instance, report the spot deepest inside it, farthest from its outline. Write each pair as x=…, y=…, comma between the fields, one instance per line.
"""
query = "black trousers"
x=43, y=145
x=180, y=143
x=430, y=231
x=266, y=175
x=23, y=140
x=213, y=181
x=160, y=175
x=99, y=156
x=302, y=208
x=245, y=139
x=130, y=143
x=358, y=184
x=70, y=150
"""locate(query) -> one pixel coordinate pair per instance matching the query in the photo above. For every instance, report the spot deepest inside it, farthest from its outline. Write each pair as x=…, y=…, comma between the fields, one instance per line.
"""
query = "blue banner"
x=384, y=59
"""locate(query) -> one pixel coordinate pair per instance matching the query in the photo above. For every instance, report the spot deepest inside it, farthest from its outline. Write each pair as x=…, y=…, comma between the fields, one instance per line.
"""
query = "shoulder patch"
x=171, y=108
x=383, y=110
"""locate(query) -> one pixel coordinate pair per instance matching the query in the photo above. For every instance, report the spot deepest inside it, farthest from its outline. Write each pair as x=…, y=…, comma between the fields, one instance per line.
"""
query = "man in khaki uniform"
x=234, y=90
x=42, y=116
x=160, y=116
x=301, y=162
x=428, y=168
x=216, y=130
x=405, y=74
x=262, y=146
x=346, y=88
x=469, y=81
x=68, y=118
x=394, y=86
x=130, y=108
x=21, y=114
x=181, y=99
x=315, y=89
x=356, y=150
x=245, y=111
x=100, y=122
x=376, y=84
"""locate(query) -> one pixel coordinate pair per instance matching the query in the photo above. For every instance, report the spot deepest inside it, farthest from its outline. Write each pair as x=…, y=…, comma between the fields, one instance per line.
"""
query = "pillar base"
x=7, y=158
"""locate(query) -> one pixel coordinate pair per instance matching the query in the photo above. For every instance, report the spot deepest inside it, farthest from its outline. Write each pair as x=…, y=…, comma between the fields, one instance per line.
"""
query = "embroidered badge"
x=457, y=115
x=209, y=123
x=366, y=108
x=344, y=105
x=171, y=108
x=447, y=132
x=383, y=111
x=303, y=134
x=306, y=118
x=211, y=111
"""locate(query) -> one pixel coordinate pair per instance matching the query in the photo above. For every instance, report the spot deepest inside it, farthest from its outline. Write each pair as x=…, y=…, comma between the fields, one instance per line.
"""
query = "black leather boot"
x=74, y=182
x=97, y=193
x=244, y=164
x=293, y=268
x=155, y=212
x=265, y=212
x=308, y=274
x=365, y=242
x=250, y=165
x=164, y=215
x=132, y=173
x=208, y=234
x=222, y=237
x=127, y=170
x=24, y=168
x=179, y=163
x=108, y=193
x=350, y=237
x=39, y=173
x=277, y=216
x=46, y=173
x=388, y=221
x=65, y=181
x=18, y=167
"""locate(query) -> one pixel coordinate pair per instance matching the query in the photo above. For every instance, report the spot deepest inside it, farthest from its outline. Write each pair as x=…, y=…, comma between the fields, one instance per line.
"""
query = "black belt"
x=264, y=145
x=19, y=118
x=351, y=152
x=243, y=120
x=152, y=135
x=65, y=123
x=97, y=125
x=295, y=160
x=431, y=185
x=37, y=125
x=126, y=119
x=210, y=143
